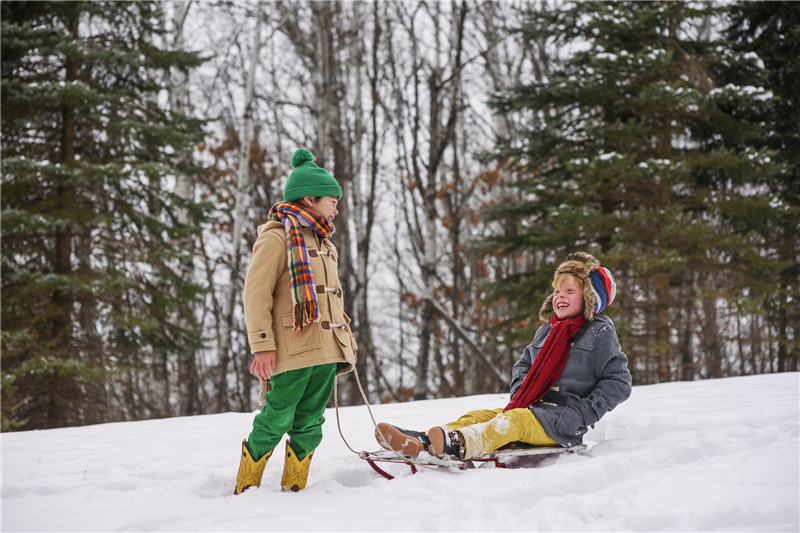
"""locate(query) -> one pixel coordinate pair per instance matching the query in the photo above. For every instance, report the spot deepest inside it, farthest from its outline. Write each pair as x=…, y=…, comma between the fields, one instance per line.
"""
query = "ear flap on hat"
x=589, y=300
x=547, y=312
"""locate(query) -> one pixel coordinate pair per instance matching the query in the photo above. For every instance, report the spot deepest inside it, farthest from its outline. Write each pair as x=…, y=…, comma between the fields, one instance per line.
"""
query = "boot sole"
x=437, y=437
x=398, y=441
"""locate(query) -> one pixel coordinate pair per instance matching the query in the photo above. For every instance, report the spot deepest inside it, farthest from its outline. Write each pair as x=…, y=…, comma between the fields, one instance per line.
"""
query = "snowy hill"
x=719, y=455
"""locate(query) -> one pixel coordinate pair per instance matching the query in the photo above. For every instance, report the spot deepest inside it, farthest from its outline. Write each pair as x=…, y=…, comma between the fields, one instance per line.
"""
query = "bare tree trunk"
x=242, y=186
x=363, y=195
x=427, y=239
x=662, y=327
x=786, y=322
x=441, y=134
x=332, y=142
x=459, y=330
x=503, y=64
x=337, y=82
x=688, y=368
x=178, y=89
x=712, y=350
x=493, y=65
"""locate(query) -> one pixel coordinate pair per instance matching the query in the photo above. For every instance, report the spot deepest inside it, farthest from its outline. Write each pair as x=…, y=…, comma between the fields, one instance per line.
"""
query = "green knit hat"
x=308, y=179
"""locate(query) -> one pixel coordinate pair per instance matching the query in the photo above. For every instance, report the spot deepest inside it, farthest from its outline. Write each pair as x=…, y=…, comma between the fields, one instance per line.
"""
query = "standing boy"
x=298, y=331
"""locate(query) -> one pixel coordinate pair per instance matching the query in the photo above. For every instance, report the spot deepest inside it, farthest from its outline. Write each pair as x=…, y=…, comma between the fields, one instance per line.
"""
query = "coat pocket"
x=345, y=341
x=343, y=336
x=301, y=341
x=571, y=420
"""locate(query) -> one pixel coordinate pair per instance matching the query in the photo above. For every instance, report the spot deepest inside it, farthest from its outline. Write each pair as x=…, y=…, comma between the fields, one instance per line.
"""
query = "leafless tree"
x=241, y=203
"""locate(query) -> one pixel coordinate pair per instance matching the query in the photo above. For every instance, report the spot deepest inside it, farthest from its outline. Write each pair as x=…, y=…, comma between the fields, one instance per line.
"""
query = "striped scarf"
x=304, y=294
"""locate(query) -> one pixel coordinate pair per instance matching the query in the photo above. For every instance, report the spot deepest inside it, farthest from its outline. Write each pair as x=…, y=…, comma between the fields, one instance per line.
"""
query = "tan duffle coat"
x=268, y=304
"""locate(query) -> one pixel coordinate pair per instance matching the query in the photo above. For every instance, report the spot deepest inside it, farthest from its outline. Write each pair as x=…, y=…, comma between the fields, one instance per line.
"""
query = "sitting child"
x=572, y=374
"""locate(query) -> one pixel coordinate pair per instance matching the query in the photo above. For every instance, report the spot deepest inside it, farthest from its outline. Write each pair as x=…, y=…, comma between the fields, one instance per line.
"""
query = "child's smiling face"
x=568, y=298
x=327, y=206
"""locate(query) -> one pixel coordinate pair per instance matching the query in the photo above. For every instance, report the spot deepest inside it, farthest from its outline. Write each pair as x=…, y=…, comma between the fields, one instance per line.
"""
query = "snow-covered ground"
x=718, y=455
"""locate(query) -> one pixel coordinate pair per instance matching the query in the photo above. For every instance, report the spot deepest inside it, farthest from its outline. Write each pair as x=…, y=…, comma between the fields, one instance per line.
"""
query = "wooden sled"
x=515, y=455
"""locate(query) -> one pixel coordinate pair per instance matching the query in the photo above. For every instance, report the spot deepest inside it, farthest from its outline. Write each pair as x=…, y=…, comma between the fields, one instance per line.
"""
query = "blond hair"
x=561, y=277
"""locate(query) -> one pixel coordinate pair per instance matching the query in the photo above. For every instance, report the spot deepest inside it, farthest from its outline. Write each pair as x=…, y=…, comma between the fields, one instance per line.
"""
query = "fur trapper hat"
x=599, y=287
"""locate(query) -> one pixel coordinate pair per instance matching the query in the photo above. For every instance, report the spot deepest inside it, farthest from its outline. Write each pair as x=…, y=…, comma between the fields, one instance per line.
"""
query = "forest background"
x=477, y=143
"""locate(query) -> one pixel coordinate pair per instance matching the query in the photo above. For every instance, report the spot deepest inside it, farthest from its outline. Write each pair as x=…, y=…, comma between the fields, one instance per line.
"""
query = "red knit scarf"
x=548, y=364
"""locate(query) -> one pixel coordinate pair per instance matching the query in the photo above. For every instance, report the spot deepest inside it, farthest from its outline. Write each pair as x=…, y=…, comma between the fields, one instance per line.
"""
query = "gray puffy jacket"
x=595, y=380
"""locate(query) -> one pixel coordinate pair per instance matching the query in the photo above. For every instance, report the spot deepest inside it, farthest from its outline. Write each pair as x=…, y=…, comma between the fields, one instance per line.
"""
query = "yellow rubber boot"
x=250, y=471
x=295, y=472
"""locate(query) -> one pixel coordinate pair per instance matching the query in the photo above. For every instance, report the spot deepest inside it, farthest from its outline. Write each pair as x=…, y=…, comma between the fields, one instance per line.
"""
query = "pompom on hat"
x=599, y=287
x=308, y=179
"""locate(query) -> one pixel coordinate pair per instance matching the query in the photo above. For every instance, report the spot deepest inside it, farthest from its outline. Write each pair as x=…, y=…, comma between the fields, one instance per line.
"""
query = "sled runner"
x=515, y=455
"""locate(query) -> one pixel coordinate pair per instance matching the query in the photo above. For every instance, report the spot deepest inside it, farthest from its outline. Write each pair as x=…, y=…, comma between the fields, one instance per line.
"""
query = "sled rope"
x=366, y=402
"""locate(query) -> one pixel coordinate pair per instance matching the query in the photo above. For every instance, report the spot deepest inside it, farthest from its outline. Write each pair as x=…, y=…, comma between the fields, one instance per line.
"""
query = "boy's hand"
x=263, y=363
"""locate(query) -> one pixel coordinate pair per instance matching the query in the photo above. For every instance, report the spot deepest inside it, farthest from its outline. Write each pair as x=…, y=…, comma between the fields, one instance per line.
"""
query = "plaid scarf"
x=549, y=362
x=304, y=294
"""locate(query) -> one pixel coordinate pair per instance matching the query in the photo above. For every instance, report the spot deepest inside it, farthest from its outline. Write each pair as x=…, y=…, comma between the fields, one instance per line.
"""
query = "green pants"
x=295, y=405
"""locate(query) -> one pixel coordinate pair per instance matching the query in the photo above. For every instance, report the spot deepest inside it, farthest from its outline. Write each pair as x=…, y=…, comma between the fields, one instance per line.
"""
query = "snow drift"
x=718, y=455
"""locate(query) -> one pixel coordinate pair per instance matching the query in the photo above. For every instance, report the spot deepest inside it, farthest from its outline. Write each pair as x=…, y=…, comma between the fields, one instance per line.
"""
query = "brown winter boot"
x=446, y=442
x=250, y=471
x=295, y=472
x=404, y=441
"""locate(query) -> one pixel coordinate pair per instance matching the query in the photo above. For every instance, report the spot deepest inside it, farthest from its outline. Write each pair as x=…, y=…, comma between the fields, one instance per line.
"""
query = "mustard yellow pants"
x=486, y=430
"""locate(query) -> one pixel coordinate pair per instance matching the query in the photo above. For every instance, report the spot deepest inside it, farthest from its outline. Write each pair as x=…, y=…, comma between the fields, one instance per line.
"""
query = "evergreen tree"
x=630, y=154
x=772, y=32
x=90, y=284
